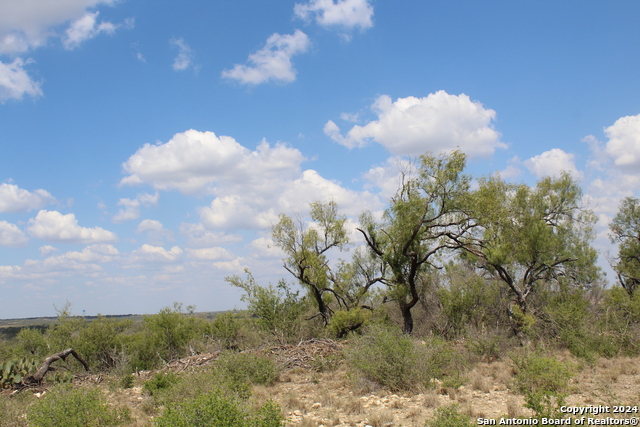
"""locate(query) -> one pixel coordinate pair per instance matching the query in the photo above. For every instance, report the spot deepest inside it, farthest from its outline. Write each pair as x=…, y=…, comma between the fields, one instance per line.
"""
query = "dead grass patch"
x=381, y=418
x=353, y=406
x=431, y=399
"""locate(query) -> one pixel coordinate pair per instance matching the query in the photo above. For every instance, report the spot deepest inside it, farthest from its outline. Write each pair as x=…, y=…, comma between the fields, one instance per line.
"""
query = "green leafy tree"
x=277, y=309
x=307, y=248
x=426, y=216
x=532, y=236
x=625, y=230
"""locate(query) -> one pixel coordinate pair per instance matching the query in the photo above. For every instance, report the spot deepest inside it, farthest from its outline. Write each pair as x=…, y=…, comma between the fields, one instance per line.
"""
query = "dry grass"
x=291, y=402
x=353, y=406
x=381, y=418
x=513, y=408
x=327, y=398
x=480, y=382
x=307, y=422
x=431, y=399
x=414, y=411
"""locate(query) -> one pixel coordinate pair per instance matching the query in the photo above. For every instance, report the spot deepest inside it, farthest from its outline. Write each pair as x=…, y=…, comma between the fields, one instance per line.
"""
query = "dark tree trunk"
x=322, y=307
x=46, y=366
x=407, y=317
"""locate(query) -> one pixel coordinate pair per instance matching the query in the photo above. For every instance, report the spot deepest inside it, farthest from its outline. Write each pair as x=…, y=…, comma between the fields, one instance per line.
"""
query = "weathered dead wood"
x=46, y=367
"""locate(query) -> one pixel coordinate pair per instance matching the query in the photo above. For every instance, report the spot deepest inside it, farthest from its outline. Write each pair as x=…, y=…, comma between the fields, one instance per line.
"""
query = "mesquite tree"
x=425, y=217
x=625, y=229
x=307, y=248
x=531, y=236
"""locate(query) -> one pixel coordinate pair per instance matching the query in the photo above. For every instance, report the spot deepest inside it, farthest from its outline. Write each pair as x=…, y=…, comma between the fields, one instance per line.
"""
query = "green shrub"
x=160, y=381
x=232, y=374
x=246, y=367
x=448, y=416
x=32, y=342
x=69, y=407
x=13, y=408
x=343, y=322
x=467, y=299
x=619, y=322
x=387, y=357
x=220, y=410
x=544, y=382
x=163, y=337
x=126, y=381
x=277, y=309
x=100, y=342
x=226, y=329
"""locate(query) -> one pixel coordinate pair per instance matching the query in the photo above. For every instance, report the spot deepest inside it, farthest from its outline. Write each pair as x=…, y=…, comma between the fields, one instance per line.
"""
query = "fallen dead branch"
x=37, y=378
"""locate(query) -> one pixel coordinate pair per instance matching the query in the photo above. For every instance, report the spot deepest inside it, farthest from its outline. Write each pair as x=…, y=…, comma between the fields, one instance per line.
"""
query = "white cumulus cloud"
x=411, y=126
x=11, y=235
x=131, y=207
x=200, y=237
x=16, y=199
x=624, y=143
x=56, y=227
x=273, y=61
x=85, y=28
x=250, y=188
x=192, y=161
x=552, y=163
x=15, y=83
x=27, y=24
x=149, y=254
x=155, y=231
x=210, y=254
x=343, y=14
x=184, y=58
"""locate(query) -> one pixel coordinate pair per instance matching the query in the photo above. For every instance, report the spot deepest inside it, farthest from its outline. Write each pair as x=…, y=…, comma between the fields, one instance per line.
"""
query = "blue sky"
x=147, y=146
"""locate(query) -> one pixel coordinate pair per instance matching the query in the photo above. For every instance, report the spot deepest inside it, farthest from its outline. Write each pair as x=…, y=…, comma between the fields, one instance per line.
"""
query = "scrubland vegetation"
x=455, y=292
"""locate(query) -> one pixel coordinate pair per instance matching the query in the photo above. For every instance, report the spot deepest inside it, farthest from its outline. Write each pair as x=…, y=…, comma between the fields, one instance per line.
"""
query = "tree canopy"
x=625, y=229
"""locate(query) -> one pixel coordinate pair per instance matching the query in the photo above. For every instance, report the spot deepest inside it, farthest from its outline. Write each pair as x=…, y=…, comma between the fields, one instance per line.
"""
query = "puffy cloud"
x=193, y=160
x=552, y=163
x=85, y=28
x=149, y=254
x=56, y=227
x=16, y=199
x=344, y=14
x=91, y=254
x=273, y=61
x=73, y=263
x=388, y=176
x=260, y=210
x=512, y=170
x=235, y=266
x=131, y=209
x=47, y=249
x=11, y=235
x=209, y=254
x=149, y=225
x=412, y=126
x=185, y=56
x=27, y=24
x=155, y=231
x=250, y=187
x=296, y=195
x=624, y=143
x=15, y=83
x=199, y=237
x=235, y=212
x=265, y=248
